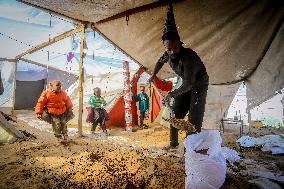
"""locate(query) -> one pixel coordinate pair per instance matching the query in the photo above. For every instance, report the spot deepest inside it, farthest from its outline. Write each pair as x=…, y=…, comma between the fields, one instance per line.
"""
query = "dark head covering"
x=170, y=28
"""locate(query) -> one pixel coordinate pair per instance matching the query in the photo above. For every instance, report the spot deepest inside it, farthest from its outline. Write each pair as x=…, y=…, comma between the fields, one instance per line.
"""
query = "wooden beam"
x=151, y=103
x=49, y=67
x=9, y=128
x=81, y=76
x=49, y=42
x=50, y=11
x=8, y=60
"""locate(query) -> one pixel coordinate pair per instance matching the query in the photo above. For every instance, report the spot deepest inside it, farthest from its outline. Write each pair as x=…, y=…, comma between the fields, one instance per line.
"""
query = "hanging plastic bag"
x=206, y=171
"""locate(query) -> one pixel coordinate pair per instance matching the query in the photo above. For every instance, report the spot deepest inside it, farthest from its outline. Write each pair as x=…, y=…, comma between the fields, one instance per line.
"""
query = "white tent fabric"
x=7, y=74
x=235, y=39
x=232, y=37
x=23, y=27
x=101, y=57
x=18, y=20
x=219, y=99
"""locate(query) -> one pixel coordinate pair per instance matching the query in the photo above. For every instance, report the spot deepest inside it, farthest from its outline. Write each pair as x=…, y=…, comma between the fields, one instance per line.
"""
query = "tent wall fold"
x=230, y=41
x=269, y=76
x=8, y=79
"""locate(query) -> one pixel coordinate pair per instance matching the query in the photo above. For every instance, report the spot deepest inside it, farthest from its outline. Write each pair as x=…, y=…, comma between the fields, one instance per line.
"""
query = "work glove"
x=167, y=100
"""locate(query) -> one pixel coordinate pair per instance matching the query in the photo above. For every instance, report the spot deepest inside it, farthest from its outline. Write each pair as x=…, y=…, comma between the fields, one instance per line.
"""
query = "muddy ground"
x=121, y=160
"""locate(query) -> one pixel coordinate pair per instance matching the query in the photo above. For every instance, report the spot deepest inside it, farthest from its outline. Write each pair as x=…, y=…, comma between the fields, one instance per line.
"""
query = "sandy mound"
x=121, y=160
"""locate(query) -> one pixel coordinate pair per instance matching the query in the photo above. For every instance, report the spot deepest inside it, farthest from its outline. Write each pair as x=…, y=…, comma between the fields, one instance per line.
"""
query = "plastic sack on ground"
x=273, y=143
x=206, y=171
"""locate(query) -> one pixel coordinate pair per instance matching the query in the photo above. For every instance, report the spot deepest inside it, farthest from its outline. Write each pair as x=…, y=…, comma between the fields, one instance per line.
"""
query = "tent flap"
x=230, y=41
x=269, y=76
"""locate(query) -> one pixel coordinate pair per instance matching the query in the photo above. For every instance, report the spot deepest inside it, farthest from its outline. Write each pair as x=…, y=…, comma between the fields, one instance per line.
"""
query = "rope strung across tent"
x=50, y=20
x=69, y=58
x=47, y=65
x=61, y=18
x=14, y=39
x=114, y=50
x=109, y=72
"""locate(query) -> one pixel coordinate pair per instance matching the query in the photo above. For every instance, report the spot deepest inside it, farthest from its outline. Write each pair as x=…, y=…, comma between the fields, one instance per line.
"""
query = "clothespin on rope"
x=127, y=19
x=50, y=20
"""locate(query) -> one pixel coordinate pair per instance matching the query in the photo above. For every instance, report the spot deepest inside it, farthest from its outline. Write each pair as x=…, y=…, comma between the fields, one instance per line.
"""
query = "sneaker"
x=65, y=137
x=105, y=133
x=181, y=159
x=145, y=126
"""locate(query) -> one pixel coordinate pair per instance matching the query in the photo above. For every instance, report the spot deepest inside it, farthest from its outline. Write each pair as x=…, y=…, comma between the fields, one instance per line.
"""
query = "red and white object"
x=127, y=96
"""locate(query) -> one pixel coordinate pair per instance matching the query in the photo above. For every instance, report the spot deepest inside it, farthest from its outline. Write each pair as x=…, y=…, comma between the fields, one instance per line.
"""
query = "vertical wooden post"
x=15, y=84
x=249, y=118
x=81, y=77
x=151, y=104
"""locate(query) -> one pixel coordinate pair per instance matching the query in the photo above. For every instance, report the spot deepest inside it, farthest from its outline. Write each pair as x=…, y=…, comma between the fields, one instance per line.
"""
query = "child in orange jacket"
x=55, y=107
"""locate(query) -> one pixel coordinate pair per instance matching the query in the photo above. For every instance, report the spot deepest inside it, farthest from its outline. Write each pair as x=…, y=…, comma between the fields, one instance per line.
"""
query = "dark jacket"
x=189, y=67
x=143, y=100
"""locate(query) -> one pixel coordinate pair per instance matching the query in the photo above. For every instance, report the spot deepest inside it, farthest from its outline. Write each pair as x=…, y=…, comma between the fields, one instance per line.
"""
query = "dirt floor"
x=120, y=160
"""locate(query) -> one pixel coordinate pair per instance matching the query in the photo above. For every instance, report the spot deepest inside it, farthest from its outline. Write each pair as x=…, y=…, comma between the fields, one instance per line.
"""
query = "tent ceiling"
x=232, y=37
x=231, y=41
x=89, y=10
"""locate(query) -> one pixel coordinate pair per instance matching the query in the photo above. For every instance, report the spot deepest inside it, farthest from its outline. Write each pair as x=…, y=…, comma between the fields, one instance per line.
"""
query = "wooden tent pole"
x=151, y=103
x=8, y=59
x=15, y=84
x=81, y=77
